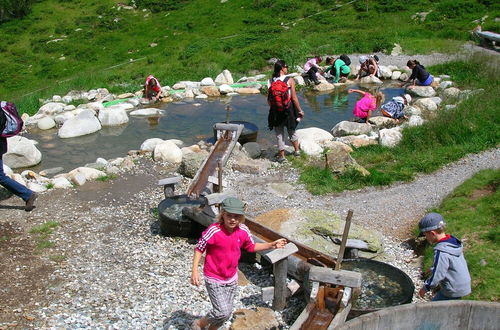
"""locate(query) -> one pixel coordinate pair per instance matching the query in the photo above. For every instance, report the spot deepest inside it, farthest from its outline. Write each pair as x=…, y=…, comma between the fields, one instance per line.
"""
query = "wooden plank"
x=278, y=254
x=227, y=127
x=215, y=180
x=171, y=180
x=268, y=293
x=340, y=317
x=304, y=315
x=217, y=198
x=344, y=239
x=280, y=289
x=337, y=277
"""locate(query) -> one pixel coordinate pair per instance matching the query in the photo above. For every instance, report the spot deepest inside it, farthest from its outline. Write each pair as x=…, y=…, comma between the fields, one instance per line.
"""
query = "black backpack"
x=346, y=59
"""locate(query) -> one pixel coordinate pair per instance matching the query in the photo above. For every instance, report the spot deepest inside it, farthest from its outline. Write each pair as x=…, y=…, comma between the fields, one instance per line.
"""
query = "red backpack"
x=278, y=96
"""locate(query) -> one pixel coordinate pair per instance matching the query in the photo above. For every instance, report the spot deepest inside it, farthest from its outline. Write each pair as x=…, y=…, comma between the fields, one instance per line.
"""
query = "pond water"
x=190, y=122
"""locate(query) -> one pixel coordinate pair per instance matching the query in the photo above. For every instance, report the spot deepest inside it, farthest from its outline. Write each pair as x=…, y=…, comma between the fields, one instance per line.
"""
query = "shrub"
x=10, y=9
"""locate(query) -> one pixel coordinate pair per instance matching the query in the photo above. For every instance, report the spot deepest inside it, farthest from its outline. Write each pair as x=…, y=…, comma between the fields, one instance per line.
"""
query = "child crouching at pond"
x=366, y=105
x=223, y=242
x=395, y=107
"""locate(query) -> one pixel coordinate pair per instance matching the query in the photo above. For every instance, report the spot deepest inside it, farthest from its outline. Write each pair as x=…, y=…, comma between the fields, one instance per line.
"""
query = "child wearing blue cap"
x=449, y=269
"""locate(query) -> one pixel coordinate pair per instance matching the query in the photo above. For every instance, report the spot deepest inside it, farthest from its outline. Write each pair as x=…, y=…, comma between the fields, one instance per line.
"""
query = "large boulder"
x=338, y=159
x=113, y=116
x=426, y=104
x=87, y=172
x=191, y=162
x=150, y=144
x=225, y=89
x=445, y=84
x=21, y=152
x=324, y=86
x=350, y=128
x=224, y=77
x=382, y=122
x=211, y=91
x=168, y=152
x=395, y=75
x=390, y=137
x=252, y=149
x=421, y=91
x=51, y=108
x=385, y=72
x=84, y=123
x=370, y=80
x=415, y=121
x=244, y=164
x=411, y=110
x=146, y=112
x=63, y=117
x=46, y=123
x=310, y=147
x=262, y=318
x=451, y=93
x=247, y=90
x=315, y=134
x=207, y=82
x=61, y=182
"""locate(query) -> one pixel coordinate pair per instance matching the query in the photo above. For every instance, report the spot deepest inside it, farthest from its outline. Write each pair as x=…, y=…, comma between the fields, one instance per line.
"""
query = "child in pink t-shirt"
x=223, y=242
x=366, y=105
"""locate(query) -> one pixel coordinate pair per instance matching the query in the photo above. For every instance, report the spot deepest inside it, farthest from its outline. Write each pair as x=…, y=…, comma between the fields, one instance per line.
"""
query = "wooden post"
x=280, y=289
x=220, y=176
x=344, y=239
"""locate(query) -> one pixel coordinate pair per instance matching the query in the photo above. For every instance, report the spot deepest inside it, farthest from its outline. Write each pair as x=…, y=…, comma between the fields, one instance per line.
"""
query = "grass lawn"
x=83, y=44
x=470, y=127
x=472, y=214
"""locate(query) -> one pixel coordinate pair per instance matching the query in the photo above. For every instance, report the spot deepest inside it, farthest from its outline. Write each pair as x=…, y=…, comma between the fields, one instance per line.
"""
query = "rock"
x=51, y=171
x=415, y=121
x=61, y=182
x=299, y=80
x=338, y=159
x=421, y=91
x=201, y=96
x=404, y=76
x=63, y=117
x=189, y=94
x=146, y=112
x=7, y=170
x=350, y=128
x=150, y=144
x=168, y=152
x=426, y=104
x=324, y=86
x=315, y=134
x=101, y=161
x=247, y=90
x=127, y=164
x=87, y=172
x=179, y=85
x=135, y=102
x=252, y=166
x=77, y=178
x=450, y=106
x=18, y=178
x=51, y=108
x=36, y=187
x=437, y=100
x=83, y=124
x=116, y=162
x=396, y=50
x=21, y=152
x=385, y=72
x=207, y=82
x=46, y=123
x=411, y=110
x=113, y=116
x=67, y=99
x=395, y=75
x=191, y=162
x=252, y=149
x=211, y=91
x=357, y=141
x=224, y=89
x=125, y=96
x=445, y=84
x=224, y=77
x=451, y=93
x=390, y=137
x=382, y=122
x=370, y=80
x=310, y=147
x=262, y=318
x=177, y=142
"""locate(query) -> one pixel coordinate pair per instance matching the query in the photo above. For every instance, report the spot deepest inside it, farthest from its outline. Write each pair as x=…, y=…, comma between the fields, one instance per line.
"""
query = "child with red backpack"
x=285, y=109
x=10, y=125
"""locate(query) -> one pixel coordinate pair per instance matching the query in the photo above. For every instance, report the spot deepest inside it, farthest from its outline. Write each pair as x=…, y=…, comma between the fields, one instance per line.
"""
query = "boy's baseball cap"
x=431, y=221
x=408, y=98
x=233, y=205
x=363, y=59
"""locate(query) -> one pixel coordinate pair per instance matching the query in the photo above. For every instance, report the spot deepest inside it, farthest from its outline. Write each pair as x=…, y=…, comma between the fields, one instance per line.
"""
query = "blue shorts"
x=427, y=81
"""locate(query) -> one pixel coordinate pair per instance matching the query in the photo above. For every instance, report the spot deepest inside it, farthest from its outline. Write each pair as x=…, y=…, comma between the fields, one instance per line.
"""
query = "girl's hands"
x=350, y=90
x=195, y=277
x=279, y=244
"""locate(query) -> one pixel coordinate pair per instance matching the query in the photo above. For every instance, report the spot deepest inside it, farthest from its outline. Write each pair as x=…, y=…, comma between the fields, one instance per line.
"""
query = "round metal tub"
x=172, y=222
x=383, y=286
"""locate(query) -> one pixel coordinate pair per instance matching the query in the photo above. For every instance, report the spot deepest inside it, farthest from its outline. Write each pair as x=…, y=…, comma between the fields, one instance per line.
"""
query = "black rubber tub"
x=172, y=222
x=249, y=133
x=383, y=286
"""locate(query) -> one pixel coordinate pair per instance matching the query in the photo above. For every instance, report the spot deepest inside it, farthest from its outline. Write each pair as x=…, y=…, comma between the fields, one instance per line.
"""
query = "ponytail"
x=379, y=97
x=278, y=66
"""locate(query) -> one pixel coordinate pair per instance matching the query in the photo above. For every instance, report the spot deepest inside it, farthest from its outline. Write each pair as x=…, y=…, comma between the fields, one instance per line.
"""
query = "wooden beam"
x=217, y=198
x=227, y=127
x=280, y=270
x=337, y=277
x=340, y=317
x=171, y=180
x=279, y=254
x=303, y=316
x=344, y=239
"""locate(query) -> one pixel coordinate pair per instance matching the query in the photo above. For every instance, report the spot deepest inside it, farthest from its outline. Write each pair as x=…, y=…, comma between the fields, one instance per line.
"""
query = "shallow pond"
x=190, y=122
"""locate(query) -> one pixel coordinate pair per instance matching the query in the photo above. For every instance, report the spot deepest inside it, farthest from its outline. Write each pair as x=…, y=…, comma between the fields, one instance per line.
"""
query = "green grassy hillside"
x=63, y=44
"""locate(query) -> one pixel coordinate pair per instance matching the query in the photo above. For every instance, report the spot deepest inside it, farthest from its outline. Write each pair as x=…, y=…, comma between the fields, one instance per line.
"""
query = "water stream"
x=190, y=121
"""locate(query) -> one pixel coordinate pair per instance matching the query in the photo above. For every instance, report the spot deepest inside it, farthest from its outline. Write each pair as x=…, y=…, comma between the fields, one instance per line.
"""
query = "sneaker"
x=281, y=160
x=30, y=202
x=296, y=153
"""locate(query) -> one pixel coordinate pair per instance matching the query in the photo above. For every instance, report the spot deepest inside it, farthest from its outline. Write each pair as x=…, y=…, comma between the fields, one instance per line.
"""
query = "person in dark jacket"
x=14, y=187
x=449, y=269
x=419, y=75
